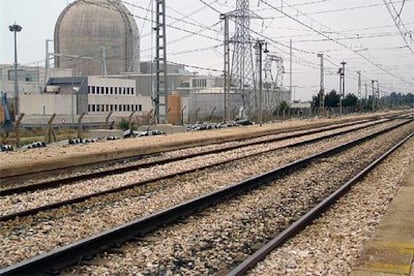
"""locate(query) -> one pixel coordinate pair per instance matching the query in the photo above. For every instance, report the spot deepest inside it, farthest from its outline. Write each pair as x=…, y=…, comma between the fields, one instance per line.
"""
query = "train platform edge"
x=390, y=251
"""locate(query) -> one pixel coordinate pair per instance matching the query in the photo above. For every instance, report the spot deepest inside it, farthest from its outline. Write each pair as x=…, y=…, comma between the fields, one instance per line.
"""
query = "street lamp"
x=15, y=28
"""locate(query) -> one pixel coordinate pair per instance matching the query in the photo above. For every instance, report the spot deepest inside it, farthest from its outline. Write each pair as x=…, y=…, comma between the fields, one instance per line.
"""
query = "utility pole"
x=343, y=84
x=290, y=66
x=378, y=94
x=322, y=88
x=161, y=98
x=359, y=102
x=340, y=72
x=103, y=66
x=343, y=78
x=47, y=61
x=259, y=47
x=366, y=91
x=373, y=95
x=15, y=29
x=226, y=66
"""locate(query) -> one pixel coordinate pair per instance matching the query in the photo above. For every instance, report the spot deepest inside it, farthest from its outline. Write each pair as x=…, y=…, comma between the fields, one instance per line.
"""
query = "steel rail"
x=74, y=253
x=78, y=199
x=314, y=213
x=140, y=156
x=86, y=176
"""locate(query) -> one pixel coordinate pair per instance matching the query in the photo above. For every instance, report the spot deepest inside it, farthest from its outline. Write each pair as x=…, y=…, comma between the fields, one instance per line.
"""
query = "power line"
x=400, y=25
x=335, y=41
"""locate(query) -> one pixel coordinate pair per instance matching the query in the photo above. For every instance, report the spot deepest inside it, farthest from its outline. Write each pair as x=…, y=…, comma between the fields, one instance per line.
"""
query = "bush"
x=123, y=124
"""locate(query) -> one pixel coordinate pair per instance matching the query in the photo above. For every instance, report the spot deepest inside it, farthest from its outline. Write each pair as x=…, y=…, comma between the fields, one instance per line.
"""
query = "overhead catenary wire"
x=399, y=23
x=335, y=41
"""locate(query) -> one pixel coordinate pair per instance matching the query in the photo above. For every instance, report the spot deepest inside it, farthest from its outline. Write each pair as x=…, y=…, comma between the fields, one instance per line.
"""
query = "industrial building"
x=98, y=71
x=97, y=36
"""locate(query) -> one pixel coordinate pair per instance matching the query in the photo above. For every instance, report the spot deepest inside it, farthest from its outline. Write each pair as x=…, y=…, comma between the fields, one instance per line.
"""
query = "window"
x=115, y=107
x=93, y=108
x=107, y=107
x=111, y=91
x=89, y=90
x=89, y=108
x=106, y=90
x=24, y=75
x=120, y=107
x=132, y=91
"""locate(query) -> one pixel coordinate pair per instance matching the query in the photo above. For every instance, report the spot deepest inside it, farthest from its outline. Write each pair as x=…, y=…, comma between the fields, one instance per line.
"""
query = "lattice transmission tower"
x=273, y=80
x=242, y=74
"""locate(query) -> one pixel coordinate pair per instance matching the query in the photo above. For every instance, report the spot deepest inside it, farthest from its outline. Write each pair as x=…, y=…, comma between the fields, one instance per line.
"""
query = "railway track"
x=82, y=198
x=12, y=184
x=312, y=214
x=73, y=253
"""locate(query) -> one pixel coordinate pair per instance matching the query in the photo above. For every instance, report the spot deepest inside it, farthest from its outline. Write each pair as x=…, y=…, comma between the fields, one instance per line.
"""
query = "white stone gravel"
x=111, y=165
x=27, y=237
x=210, y=242
x=20, y=202
x=332, y=244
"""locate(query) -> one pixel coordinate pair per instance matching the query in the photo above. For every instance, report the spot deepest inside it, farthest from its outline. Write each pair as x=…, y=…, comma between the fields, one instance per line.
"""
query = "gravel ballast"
x=38, y=234
x=20, y=202
x=333, y=243
x=216, y=239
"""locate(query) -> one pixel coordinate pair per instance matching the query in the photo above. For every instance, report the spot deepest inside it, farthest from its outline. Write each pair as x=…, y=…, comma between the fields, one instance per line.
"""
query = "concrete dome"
x=85, y=26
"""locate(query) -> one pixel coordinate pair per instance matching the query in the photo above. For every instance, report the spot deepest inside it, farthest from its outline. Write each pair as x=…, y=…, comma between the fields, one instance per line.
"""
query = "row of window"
x=199, y=82
x=100, y=90
x=114, y=107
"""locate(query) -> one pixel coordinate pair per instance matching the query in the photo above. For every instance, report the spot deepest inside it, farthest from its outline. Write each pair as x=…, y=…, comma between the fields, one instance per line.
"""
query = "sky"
x=361, y=33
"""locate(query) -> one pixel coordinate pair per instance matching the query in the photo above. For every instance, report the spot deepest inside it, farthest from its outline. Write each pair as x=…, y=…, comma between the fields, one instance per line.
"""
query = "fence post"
x=49, y=131
x=149, y=115
x=130, y=120
x=17, y=129
x=196, y=114
x=232, y=112
x=182, y=114
x=80, y=132
x=212, y=113
x=107, y=120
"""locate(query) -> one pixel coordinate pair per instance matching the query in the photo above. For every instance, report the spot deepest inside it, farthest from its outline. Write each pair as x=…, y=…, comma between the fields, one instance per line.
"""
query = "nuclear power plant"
x=98, y=32
x=97, y=71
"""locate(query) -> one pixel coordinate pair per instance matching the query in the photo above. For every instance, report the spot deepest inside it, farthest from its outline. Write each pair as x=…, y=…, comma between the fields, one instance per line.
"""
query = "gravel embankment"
x=150, y=158
x=58, y=157
x=38, y=233
x=216, y=239
x=19, y=202
x=54, y=153
x=333, y=243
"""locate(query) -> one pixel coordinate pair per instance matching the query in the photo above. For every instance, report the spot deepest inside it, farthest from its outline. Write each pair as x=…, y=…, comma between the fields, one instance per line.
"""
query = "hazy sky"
x=362, y=26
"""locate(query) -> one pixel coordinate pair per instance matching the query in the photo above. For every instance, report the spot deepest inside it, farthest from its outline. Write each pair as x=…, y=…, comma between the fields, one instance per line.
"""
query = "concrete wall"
x=36, y=84
x=47, y=104
x=206, y=102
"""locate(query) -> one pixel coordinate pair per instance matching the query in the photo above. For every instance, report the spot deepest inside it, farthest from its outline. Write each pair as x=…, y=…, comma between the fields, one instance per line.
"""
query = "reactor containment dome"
x=91, y=35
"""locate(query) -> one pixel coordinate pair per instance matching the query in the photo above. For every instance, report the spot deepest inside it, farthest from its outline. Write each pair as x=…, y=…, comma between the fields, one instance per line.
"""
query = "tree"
x=350, y=100
x=283, y=106
x=332, y=99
